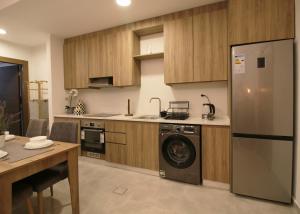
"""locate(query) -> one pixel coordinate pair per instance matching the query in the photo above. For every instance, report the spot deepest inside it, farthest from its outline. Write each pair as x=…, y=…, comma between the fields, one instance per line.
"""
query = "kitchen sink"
x=147, y=117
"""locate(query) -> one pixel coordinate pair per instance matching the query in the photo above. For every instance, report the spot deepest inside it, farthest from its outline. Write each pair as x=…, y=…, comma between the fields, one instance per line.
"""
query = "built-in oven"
x=93, y=137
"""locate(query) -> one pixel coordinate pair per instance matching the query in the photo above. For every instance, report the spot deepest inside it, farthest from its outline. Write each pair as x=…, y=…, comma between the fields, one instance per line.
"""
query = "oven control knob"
x=177, y=129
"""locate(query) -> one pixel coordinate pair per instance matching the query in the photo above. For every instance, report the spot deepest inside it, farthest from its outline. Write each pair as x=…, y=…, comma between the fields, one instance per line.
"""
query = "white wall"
x=56, y=76
x=14, y=51
x=37, y=63
x=297, y=152
x=152, y=85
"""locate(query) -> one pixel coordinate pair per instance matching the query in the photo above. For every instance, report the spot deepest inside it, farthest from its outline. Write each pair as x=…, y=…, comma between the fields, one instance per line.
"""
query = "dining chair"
x=37, y=127
x=22, y=191
x=64, y=132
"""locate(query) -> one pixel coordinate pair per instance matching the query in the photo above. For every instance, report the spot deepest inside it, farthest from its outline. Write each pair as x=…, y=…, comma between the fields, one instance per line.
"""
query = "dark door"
x=10, y=92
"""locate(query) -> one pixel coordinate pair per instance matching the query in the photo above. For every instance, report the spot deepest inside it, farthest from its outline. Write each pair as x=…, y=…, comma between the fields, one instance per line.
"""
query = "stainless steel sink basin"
x=147, y=117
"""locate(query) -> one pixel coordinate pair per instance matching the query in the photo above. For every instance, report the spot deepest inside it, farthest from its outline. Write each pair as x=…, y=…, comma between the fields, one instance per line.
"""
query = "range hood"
x=101, y=82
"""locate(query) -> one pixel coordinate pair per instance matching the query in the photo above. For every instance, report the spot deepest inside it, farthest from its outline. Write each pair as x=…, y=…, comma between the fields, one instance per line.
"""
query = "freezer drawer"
x=262, y=88
x=262, y=168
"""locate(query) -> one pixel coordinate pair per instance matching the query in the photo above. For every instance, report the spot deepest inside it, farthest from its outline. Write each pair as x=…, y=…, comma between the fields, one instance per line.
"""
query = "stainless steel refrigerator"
x=262, y=120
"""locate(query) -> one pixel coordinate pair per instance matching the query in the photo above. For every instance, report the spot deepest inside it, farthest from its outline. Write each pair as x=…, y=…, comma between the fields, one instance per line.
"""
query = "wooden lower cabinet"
x=143, y=145
x=215, y=153
x=116, y=153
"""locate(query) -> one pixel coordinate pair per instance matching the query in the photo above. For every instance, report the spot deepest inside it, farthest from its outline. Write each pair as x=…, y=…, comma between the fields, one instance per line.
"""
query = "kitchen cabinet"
x=179, y=61
x=215, y=153
x=143, y=145
x=76, y=63
x=260, y=20
x=116, y=153
x=100, y=52
x=210, y=42
x=126, y=69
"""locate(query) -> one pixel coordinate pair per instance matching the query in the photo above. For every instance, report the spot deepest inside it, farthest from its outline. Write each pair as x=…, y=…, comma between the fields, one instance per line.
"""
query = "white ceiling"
x=29, y=22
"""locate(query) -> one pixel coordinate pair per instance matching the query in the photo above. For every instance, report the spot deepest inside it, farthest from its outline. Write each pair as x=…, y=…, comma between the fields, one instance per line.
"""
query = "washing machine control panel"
x=179, y=129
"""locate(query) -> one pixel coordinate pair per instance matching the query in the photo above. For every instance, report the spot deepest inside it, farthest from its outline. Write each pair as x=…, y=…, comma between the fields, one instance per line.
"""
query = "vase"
x=2, y=141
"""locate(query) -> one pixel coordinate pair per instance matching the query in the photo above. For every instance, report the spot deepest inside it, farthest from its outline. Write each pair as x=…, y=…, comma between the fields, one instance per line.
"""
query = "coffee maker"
x=209, y=110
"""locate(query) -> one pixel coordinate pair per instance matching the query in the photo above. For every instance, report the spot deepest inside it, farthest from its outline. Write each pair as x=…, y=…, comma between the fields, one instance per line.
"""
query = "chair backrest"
x=37, y=127
x=64, y=132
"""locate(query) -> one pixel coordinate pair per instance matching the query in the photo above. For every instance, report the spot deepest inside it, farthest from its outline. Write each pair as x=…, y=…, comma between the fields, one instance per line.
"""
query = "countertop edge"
x=219, y=121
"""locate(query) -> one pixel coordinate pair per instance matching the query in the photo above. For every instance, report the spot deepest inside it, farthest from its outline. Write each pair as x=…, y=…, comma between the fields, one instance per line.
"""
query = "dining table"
x=59, y=152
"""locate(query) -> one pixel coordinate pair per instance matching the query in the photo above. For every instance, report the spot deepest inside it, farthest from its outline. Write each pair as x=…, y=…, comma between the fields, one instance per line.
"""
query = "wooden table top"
x=58, y=147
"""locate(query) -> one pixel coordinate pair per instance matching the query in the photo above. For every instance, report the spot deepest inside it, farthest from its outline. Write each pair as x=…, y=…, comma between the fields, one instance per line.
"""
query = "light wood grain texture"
x=149, y=56
x=76, y=63
x=126, y=70
x=115, y=126
x=260, y=20
x=73, y=180
x=142, y=145
x=12, y=172
x=215, y=153
x=116, y=153
x=178, y=61
x=149, y=30
x=119, y=138
x=210, y=42
x=69, y=64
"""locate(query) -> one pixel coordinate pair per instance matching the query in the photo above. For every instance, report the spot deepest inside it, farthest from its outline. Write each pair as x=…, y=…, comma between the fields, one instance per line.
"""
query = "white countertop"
x=218, y=121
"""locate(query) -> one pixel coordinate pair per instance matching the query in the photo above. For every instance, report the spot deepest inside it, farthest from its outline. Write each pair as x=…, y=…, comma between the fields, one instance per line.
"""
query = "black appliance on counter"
x=178, y=110
x=93, y=137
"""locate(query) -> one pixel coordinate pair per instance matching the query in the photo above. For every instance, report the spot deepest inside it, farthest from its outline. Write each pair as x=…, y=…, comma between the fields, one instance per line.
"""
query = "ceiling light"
x=123, y=3
x=2, y=31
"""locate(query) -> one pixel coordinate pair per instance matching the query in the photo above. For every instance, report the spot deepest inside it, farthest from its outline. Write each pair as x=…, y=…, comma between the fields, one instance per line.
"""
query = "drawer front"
x=114, y=137
x=115, y=126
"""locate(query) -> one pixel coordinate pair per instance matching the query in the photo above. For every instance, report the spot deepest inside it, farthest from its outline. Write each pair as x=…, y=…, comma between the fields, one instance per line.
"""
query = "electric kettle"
x=209, y=110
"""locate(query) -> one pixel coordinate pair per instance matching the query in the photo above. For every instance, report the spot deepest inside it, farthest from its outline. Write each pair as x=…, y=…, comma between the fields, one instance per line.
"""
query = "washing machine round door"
x=179, y=151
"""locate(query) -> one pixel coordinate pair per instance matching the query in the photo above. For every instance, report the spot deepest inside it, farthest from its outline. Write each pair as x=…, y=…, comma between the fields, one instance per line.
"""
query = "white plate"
x=38, y=138
x=3, y=154
x=38, y=145
x=9, y=137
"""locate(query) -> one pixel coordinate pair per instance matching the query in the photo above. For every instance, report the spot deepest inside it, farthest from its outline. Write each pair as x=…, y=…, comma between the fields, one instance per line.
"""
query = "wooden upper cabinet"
x=76, y=63
x=210, y=42
x=178, y=32
x=69, y=64
x=101, y=46
x=126, y=72
x=260, y=20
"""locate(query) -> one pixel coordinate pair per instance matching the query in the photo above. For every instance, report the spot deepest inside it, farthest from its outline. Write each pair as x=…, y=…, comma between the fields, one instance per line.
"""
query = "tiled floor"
x=107, y=190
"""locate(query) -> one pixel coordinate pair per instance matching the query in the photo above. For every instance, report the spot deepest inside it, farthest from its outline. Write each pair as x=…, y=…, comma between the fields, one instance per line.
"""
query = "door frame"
x=25, y=79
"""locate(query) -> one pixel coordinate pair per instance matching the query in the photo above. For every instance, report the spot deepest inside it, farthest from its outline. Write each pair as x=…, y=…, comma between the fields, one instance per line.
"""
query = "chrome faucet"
x=157, y=98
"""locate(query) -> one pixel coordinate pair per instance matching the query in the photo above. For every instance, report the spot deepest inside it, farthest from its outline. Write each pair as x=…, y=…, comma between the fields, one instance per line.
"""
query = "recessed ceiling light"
x=123, y=3
x=2, y=31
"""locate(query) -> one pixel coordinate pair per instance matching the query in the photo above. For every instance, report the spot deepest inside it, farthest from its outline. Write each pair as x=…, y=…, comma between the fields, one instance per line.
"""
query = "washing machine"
x=180, y=153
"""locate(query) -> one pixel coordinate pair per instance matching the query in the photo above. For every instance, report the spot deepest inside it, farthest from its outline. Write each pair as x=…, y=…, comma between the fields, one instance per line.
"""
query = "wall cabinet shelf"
x=149, y=56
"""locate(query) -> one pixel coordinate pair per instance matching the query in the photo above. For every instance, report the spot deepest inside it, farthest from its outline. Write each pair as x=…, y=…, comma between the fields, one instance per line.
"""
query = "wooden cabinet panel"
x=115, y=126
x=210, y=42
x=101, y=46
x=215, y=153
x=113, y=137
x=142, y=145
x=178, y=32
x=76, y=63
x=260, y=20
x=116, y=153
x=126, y=70
x=69, y=64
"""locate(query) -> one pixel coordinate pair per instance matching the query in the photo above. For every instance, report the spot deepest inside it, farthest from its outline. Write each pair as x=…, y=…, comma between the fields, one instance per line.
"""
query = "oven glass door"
x=93, y=140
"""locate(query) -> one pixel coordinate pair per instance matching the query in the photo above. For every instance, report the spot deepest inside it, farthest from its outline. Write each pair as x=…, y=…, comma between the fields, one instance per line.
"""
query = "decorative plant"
x=71, y=95
x=7, y=119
